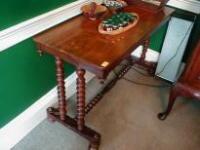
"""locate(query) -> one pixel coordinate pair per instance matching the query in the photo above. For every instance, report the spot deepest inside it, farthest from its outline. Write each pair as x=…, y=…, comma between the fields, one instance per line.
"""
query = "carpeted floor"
x=127, y=120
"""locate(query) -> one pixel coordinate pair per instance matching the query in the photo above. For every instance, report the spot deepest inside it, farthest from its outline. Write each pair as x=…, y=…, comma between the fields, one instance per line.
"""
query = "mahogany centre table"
x=78, y=42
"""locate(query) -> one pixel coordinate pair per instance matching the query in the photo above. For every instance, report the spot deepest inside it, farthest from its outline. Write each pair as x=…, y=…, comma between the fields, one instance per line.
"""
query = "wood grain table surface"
x=77, y=41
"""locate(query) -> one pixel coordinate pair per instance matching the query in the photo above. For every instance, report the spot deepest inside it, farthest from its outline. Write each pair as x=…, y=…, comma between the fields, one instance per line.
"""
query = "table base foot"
x=92, y=136
x=93, y=146
x=51, y=120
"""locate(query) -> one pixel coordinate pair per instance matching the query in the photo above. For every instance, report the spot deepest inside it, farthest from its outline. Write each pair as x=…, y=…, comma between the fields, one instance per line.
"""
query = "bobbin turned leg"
x=141, y=60
x=80, y=99
x=77, y=124
x=144, y=50
x=61, y=88
x=62, y=104
x=151, y=66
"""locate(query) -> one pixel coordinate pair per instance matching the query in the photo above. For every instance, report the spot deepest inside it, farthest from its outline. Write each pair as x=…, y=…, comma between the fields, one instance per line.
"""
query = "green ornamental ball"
x=118, y=20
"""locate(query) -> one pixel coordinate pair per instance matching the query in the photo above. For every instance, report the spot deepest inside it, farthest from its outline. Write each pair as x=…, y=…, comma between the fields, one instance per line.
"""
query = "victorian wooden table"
x=78, y=42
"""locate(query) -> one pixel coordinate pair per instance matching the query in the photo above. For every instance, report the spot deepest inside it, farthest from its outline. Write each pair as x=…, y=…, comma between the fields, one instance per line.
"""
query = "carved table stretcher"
x=78, y=42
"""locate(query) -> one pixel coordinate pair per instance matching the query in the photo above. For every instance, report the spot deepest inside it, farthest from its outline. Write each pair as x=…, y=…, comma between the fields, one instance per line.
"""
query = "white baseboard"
x=151, y=55
x=19, y=127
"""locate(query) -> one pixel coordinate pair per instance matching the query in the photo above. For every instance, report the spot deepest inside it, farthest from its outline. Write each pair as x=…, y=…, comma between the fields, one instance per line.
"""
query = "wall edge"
x=33, y=26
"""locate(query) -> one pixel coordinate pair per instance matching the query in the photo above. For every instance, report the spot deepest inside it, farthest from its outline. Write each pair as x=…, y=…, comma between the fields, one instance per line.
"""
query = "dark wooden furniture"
x=78, y=42
x=189, y=83
x=150, y=67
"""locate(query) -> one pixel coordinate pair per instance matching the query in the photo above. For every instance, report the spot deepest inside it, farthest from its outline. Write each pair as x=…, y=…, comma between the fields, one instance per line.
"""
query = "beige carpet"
x=127, y=120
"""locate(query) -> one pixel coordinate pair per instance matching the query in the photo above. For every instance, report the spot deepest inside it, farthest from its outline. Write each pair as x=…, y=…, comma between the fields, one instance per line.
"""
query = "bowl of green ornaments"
x=115, y=6
x=118, y=23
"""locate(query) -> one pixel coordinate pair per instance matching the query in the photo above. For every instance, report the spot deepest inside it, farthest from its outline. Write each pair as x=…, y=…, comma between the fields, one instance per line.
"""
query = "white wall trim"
x=151, y=55
x=188, y=5
x=31, y=27
x=19, y=127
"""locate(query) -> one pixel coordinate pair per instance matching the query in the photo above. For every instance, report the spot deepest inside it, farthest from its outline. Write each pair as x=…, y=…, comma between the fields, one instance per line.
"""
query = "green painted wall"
x=157, y=38
x=24, y=78
x=16, y=11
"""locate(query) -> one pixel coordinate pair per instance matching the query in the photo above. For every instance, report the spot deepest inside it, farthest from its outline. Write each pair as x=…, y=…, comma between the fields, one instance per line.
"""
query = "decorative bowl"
x=115, y=6
x=93, y=11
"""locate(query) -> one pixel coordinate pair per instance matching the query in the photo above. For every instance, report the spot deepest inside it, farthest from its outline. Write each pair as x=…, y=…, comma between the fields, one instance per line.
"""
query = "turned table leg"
x=144, y=50
x=151, y=66
x=61, y=88
x=80, y=98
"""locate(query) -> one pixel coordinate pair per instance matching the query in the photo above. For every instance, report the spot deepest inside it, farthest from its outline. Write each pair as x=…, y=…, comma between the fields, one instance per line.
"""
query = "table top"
x=77, y=41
